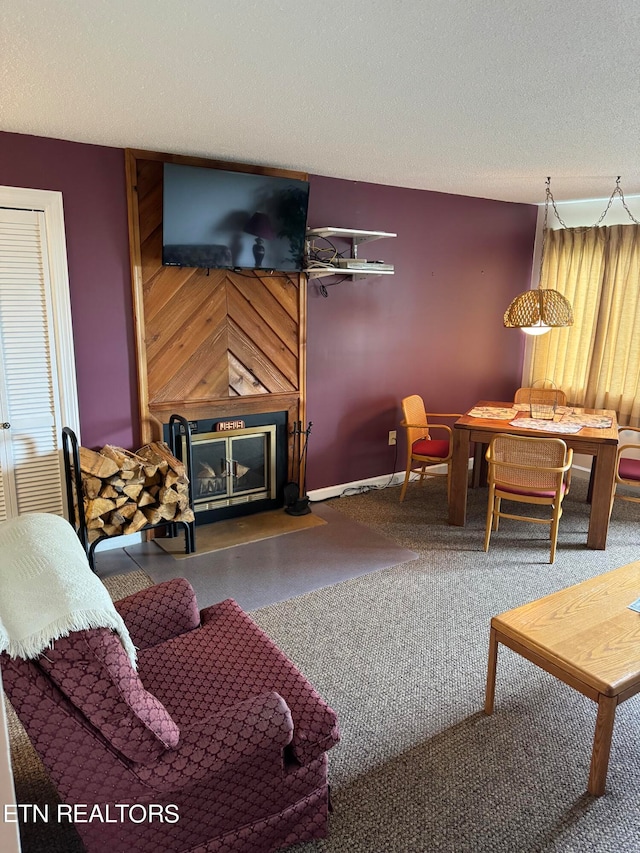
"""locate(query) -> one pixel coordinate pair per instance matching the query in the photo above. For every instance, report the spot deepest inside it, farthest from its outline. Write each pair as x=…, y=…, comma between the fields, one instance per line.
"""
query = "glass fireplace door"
x=233, y=467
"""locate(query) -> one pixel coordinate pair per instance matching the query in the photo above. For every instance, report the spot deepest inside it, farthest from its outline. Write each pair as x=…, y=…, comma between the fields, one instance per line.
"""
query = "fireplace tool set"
x=296, y=501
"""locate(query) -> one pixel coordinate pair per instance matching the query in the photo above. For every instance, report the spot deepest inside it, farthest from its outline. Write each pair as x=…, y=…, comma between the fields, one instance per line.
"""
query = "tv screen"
x=218, y=219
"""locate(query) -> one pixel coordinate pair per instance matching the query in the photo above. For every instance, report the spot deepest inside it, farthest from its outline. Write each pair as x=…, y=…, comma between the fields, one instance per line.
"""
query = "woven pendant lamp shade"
x=538, y=307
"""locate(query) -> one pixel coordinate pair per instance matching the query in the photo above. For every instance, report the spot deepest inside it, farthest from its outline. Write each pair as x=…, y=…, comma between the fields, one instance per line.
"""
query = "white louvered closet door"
x=31, y=477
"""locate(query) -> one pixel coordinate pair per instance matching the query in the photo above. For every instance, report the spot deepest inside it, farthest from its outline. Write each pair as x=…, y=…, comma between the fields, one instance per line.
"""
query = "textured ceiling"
x=470, y=97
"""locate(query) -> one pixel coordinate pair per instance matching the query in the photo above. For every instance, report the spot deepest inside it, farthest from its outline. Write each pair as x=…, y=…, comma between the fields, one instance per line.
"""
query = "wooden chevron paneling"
x=204, y=339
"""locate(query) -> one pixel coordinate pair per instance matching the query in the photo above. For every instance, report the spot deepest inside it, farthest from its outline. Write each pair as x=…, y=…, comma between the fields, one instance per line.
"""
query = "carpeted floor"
x=401, y=655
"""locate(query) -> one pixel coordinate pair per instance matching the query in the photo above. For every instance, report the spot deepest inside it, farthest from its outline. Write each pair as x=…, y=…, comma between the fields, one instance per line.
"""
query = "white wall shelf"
x=356, y=237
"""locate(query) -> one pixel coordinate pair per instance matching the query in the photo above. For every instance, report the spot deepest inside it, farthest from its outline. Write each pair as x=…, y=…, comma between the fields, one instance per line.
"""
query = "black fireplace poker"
x=296, y=501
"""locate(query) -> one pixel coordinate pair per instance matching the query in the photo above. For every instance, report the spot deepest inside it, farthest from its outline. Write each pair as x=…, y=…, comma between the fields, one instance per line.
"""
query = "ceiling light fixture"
x=539, y=310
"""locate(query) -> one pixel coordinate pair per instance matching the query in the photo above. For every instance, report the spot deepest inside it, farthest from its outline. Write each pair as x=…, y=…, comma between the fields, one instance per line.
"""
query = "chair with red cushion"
x=422, y=449
x=216, y=726
x=527, y=470
x=628, y=464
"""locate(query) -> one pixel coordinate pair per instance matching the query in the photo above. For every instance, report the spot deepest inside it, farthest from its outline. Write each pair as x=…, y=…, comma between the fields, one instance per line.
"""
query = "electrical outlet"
x=392, y=436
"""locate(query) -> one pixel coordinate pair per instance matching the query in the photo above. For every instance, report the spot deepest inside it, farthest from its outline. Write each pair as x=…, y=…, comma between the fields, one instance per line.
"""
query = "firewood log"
x=152, y=514
x=174, y=479
x=137, y=522
x=117, y=482
x=185, y=515
x=91, y=486
x=107, y=491
x=167, y=511
x=145, y=499
x=97, y=507
x=117, y=454
x=132, y=491
x=161, y=450
x=129, y=509
x=96, y=464
x=168, y=496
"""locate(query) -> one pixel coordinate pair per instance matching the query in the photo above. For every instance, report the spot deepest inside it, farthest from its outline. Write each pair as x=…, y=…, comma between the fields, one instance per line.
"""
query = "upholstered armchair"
x=217, y=726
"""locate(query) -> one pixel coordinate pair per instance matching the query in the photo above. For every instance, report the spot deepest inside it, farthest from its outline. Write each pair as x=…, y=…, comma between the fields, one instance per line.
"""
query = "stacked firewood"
x=125, y=491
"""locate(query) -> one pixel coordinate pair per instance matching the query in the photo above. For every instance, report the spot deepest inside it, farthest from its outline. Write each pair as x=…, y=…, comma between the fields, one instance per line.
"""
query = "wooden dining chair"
x=543, y=397
x=551, y=395
x=627, y=465
x=527, y=470
x=423, y=450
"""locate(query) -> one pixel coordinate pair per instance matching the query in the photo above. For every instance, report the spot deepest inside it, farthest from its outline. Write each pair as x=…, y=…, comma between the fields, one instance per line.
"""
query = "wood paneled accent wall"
x=209, y=344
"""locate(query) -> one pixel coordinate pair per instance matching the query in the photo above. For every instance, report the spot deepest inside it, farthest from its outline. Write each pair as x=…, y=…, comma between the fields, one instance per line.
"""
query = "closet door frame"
x=49, y=203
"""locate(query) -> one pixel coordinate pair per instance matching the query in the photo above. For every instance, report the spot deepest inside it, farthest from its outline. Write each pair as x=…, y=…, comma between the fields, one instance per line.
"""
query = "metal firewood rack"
x=73, y=480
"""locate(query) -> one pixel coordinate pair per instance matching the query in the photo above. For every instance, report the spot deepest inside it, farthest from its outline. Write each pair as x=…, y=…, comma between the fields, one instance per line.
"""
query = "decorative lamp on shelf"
x=260, y=227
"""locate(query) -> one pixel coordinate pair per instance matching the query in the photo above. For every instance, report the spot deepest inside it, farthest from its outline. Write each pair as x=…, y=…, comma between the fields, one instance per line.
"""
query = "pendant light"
x=538, y=311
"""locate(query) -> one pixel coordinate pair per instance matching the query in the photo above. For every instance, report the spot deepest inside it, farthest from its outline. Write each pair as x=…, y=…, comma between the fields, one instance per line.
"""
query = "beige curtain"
x=596, y=362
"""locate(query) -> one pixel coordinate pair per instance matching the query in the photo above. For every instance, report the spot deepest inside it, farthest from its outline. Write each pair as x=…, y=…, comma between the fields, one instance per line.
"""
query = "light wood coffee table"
x=587, y=637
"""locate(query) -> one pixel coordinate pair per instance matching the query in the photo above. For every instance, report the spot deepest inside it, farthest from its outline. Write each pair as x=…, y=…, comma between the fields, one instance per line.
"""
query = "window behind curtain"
x=597, y=360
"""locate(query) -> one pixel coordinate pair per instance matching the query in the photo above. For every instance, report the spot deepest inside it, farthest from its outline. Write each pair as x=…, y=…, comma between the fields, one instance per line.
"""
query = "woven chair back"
x=522, y=462
x=414, y=413
x=543, y=398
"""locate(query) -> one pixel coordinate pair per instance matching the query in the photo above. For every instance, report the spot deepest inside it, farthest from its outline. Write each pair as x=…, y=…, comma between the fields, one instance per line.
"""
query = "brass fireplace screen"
x=233, y=467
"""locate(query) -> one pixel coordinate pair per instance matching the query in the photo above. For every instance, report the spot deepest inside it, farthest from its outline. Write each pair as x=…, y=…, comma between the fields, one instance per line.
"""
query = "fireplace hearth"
x=238, y=465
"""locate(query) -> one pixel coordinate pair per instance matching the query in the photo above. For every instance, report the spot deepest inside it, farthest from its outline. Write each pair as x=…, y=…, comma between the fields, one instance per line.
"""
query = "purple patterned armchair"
x=217, y=727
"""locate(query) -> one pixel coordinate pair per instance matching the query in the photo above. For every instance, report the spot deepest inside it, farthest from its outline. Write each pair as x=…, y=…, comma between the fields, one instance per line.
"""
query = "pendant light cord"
x=582, y=228
x=616, y=192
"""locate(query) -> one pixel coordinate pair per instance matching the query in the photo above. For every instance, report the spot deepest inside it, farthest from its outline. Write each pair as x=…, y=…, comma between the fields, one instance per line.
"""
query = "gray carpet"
x=272, y=570
x=401, y=655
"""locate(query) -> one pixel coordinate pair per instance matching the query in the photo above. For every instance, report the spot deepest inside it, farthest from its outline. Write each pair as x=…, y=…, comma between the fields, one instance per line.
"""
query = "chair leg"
x=555, y=521
x=406, y=482
x=490, y=511
x=496, y=516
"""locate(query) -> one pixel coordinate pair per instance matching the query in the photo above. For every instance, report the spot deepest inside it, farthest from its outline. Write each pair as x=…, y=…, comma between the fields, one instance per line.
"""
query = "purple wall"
x=434, y=328
x=92, y=181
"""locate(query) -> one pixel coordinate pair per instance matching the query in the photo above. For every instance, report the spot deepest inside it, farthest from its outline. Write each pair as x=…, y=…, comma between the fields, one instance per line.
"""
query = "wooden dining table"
x=599, y=442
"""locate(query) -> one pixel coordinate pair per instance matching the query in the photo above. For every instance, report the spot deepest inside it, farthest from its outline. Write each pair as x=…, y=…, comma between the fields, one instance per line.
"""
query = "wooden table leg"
x=480, y=466
x=459, y=477
x=604, y=477
x=602, y=744
x=491, y=673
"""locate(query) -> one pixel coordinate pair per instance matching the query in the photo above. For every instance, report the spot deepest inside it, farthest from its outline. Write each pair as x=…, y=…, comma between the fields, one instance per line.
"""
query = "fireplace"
x=238, y=465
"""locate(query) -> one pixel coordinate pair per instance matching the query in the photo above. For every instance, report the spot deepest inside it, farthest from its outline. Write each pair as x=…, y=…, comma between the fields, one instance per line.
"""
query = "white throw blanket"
x=47, y=588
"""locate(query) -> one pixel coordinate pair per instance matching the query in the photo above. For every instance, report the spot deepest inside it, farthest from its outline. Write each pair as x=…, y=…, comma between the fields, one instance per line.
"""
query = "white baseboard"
x=393, y=480
x=371, y=482
x=336, y=491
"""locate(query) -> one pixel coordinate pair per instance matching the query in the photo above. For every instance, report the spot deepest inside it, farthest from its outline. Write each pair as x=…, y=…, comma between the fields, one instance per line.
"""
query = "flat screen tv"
x=218, y=219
